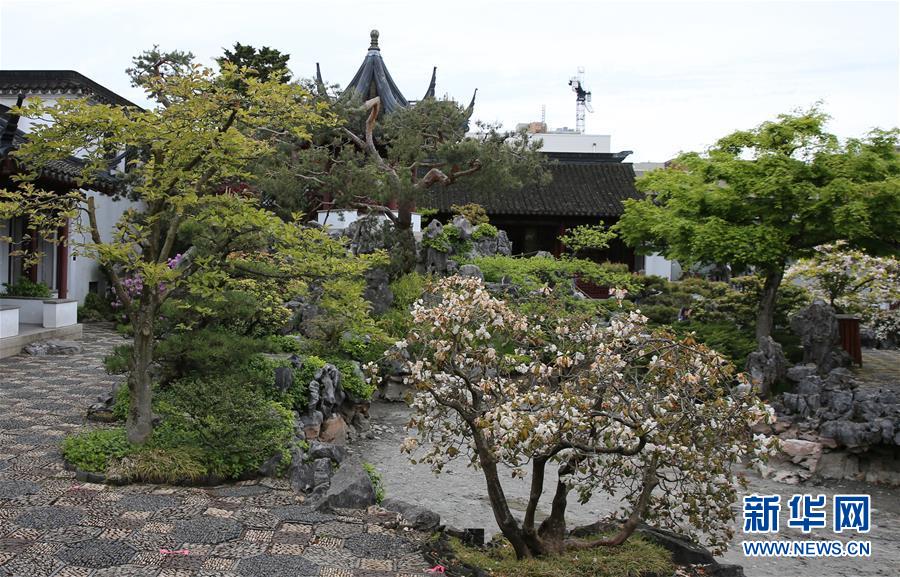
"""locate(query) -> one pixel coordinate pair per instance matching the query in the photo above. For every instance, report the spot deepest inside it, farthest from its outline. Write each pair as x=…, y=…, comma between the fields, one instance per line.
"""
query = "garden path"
x=52, y=525
x=459, y=496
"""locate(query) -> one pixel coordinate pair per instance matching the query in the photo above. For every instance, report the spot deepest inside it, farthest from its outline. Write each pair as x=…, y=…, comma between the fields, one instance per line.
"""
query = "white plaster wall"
x=656, y=265
x=60, y=314
x=82, y=269
x=48, y=99
x=341, y=219
x=31, y=310
x=573, y=142
x=9, y=321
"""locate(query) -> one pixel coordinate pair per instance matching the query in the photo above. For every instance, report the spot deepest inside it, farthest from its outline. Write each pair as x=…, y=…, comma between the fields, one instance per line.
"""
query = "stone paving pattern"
x=880, y=368
x=53, y=525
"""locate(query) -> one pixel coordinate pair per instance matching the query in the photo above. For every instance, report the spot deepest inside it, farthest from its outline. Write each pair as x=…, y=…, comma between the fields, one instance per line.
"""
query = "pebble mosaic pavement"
x=51, y=525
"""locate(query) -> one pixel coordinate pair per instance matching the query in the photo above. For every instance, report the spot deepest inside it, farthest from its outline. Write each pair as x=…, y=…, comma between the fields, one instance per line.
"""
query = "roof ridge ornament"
x=374, y=37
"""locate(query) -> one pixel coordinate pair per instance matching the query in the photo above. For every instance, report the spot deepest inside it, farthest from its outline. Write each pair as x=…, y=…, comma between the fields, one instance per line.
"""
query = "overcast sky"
x=665, y=77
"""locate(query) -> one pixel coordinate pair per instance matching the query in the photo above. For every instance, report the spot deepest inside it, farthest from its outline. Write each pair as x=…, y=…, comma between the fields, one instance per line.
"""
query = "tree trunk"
x=553, y=530
x=765, y=318
x=502, y=515
x=139, y=423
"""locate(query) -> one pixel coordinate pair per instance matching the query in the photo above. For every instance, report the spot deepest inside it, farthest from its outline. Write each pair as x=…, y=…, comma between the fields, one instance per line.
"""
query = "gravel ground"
x=459, y=496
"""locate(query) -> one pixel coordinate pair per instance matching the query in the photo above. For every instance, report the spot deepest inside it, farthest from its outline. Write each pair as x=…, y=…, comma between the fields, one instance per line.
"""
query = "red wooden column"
x=851, y=342
x=62, y=261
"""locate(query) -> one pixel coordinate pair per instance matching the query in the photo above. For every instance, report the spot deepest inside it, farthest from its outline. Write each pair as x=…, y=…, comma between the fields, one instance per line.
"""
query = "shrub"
x=395, y=323
x=448, y=241
x=377, y=481
x=352, y=382
x=259, y=374
x=485, y=230
x=234, y=426
x=205, y=352
x=118, y=361
x=474, y=213
x=96, y=308
x=26, y=288
x=408, y=289
x=283, y=344
x=120, y=404
x=725, y=338
x=533, y=273
x=94, y=450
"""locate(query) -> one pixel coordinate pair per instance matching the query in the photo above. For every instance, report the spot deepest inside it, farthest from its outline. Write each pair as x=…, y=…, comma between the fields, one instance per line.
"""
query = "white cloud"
x=665, y=76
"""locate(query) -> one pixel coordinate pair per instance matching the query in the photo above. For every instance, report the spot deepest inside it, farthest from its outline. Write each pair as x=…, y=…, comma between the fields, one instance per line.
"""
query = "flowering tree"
x=849, y=279
x=617, y=409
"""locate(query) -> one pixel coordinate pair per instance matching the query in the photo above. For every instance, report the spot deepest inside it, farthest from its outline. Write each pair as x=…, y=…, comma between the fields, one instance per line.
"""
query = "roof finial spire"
x=374, y=36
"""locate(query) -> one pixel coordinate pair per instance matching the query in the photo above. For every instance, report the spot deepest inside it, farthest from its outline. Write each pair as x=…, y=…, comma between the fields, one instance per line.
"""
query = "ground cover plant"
x=634, y=558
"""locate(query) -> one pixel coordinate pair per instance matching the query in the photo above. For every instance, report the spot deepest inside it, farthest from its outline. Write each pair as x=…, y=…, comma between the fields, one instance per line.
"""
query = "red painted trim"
x=62, y=261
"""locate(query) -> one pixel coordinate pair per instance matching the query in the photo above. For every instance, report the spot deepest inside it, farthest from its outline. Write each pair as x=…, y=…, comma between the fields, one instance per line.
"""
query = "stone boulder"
x=470, y=270
x=413, y=516
x=492, y=246
x=767, y=365
x=378, y=290
x=350, y=488
x=464, y=227
x=368, y=234
x=54, y=347
x=334, y=430
x=817, y=327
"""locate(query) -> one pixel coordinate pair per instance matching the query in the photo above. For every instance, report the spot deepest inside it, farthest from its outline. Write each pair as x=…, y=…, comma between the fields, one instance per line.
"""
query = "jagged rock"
x=284, y=378
x=767, y=365
x=412, y=515
x=850, y=434
x=684, y=551
x=368, y=234
x=308, y=476
x=325, y=392
x=543, y=254
x=817, y=327
x=53, y=347
x=101, y=413
x=320, y=450
x=464, y=227
x=334, y=430
x=470, y=270
x=436, y=262
x=800, y=373
x=350, y=488
x=378, y=290
x=838, y=465
x=801, y=452
x=433, y=230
